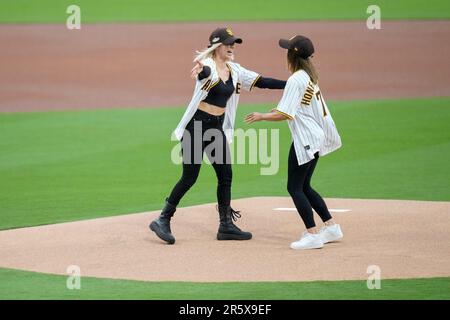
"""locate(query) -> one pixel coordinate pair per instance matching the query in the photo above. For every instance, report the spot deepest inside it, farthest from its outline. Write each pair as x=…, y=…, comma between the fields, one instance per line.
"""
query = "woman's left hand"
x=196, y=69
x=253, y=117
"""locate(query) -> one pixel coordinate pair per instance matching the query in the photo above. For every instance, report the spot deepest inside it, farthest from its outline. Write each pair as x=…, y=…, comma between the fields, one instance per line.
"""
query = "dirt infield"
x=406, y=239
x=47, y=67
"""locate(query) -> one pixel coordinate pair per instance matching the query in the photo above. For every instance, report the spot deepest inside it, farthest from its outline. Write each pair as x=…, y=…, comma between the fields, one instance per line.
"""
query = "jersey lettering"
x=309, y=93
x=238, y=88
x=319, y=97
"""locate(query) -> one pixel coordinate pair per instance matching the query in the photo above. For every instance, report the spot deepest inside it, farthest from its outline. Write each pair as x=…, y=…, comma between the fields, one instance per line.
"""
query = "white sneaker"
x=331, y=233
x=308, y=241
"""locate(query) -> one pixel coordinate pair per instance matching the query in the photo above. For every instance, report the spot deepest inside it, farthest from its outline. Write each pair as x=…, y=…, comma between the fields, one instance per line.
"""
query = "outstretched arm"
x=250, y=79
x=271, y=116
x=269, y=83
x=286, y=108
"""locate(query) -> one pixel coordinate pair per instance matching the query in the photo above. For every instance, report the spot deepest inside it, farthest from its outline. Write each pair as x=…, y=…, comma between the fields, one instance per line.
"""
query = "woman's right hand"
x=196, y=69
x=253, y=117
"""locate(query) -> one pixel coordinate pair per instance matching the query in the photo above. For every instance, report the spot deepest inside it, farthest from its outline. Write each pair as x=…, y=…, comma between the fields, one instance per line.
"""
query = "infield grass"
x=73, y=165
x=54, y=11
x=15, y=284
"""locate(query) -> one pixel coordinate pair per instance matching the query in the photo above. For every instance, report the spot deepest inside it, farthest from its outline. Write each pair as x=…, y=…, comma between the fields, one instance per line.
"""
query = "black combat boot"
x=161, y=225
x=227, y=229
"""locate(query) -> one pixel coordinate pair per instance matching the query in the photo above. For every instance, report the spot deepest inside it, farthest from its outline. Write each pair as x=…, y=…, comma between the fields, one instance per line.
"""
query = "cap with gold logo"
x=301, y=44
x=224, y=36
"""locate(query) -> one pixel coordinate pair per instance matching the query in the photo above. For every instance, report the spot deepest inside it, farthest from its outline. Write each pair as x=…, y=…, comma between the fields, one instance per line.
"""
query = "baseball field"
x=86, y=118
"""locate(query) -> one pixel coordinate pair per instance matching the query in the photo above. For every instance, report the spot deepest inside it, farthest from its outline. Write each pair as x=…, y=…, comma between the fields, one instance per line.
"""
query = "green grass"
x=72, y=165
x=16, y=284
x=54, y=11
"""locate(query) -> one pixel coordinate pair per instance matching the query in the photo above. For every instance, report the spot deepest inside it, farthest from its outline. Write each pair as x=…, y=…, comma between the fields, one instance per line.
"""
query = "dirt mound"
x=406, y=239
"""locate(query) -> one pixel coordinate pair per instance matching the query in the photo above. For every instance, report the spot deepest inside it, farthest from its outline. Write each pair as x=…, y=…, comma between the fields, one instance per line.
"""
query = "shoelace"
x=235, y=214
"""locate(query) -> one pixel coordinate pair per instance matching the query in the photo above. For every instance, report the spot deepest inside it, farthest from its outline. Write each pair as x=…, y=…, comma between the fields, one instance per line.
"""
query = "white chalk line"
x=331, y=210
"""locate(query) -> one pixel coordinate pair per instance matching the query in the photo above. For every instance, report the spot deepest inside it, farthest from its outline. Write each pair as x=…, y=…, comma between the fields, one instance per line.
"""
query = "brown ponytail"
x=295, y=63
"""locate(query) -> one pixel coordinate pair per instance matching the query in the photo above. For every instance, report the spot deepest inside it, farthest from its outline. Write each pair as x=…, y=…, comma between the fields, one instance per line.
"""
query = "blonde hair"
x=206, y=53
x=295, y=63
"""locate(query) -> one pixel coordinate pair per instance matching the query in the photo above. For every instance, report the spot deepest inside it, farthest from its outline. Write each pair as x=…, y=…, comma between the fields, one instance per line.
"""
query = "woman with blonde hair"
x=219, y=81
x=314, y=134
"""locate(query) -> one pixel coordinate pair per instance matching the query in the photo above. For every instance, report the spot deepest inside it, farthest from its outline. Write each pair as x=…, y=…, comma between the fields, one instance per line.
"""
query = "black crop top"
x=219, y=94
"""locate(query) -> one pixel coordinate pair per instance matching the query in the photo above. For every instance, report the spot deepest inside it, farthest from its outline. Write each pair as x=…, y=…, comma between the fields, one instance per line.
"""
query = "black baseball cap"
x=301, y=44
x=224, y=36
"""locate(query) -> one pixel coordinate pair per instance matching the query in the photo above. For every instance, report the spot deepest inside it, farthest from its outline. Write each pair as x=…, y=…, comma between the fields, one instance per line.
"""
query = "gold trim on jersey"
x=214, y=84
x=254, y=81
x=206, y=85
x=229, y=68
x=284, y=114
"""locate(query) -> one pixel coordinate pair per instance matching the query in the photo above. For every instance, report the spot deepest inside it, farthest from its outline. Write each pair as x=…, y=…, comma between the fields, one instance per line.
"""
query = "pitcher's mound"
x=405, y=239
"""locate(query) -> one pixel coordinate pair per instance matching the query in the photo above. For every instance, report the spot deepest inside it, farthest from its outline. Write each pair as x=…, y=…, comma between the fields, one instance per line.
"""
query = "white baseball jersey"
x=242, y=79
x=312, y=127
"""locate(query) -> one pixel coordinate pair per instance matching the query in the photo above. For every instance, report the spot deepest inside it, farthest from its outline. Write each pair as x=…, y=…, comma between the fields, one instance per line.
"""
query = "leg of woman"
x=191, y=164
x=314, y=198
x=222, y=166
x=224, y=173
x=191, y=169
x=332, y=231
x=296, y=178
x=187, y=180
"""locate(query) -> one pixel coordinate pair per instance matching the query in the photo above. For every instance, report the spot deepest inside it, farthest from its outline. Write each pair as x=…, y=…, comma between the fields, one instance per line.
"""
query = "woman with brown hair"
x=314, y=134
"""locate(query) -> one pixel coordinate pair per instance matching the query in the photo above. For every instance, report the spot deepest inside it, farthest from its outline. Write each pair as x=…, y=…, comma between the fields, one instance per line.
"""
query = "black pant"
x=204, y=131
x=299, y=187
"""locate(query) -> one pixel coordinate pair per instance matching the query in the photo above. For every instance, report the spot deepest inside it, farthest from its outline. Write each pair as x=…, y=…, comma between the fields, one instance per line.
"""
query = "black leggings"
x=202, y=130
x=299, y=187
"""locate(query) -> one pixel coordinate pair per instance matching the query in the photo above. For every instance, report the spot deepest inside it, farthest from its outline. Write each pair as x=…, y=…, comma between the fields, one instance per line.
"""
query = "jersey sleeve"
x=248, y=78
x=290, y=99
x=269, y=83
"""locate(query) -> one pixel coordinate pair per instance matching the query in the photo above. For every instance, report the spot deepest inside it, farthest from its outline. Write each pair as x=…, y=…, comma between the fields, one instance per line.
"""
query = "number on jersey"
x=319, y=97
